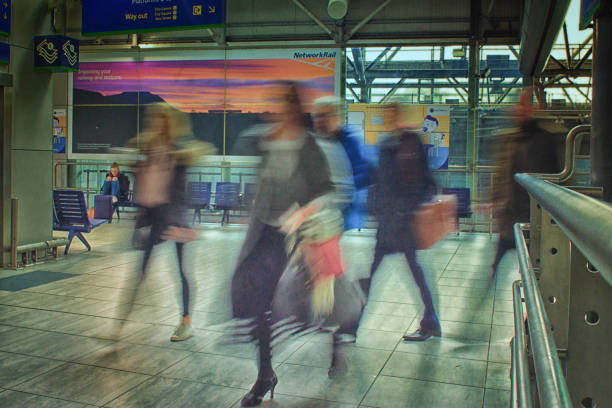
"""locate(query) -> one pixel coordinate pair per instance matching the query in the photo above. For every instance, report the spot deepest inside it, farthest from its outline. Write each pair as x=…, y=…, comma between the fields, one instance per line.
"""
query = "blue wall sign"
x=5, y=17
x=588, y=8
x=56, y=52
x=5, y=53
x=133, y=16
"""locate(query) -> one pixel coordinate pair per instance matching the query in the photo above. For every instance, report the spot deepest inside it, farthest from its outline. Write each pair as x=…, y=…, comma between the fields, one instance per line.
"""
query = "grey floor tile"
x=15, y=334
x=410, y=393
x=313, y=382
x=436, y=368
x=442, y=346
x=392, y=309
x=158, y=335
x=82, y=383
x=464, y=315
x=102, y=327
x=385, y=322
x=167, y=392
x=502, y=333
x=500, y=352
x=56, y=345
x=21, y=399
x=17, y=368
x=357, y=359
x=213, y=369
x=498, y=376
x=496, y=398
x=503, y=319
x=376, y=339
x=134, y=358
x=286, y=401
x=461, y=330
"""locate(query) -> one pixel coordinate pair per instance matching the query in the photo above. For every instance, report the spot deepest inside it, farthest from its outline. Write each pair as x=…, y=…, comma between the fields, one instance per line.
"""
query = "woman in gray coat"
x=293, y=179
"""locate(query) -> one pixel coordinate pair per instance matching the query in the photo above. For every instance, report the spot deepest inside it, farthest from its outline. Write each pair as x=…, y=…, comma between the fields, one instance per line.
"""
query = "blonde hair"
x=179, y=125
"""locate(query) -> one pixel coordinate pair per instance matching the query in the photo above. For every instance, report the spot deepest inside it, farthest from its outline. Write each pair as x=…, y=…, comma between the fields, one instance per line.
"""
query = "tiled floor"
x=55, y=348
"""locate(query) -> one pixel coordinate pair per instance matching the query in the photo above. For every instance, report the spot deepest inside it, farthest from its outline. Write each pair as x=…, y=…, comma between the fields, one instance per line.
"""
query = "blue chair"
x=227, y=197
x=70, y=214
x=198, y=197
x=464, y=202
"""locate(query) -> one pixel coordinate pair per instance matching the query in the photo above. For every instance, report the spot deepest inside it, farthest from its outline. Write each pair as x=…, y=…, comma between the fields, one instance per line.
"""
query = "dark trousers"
x=157, y=219
x=504, y=245
x=430, y=318
x=253, y=286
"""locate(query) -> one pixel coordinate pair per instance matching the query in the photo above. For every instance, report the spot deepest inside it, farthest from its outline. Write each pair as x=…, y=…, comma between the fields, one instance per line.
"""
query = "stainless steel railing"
x=552, y=388
x=587, y=222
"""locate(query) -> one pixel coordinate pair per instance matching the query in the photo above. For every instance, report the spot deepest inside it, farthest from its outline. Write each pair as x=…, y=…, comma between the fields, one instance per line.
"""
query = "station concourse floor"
x=56, y=319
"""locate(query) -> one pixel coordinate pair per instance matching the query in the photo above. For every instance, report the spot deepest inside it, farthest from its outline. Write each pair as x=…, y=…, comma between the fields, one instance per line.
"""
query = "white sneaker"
x=182, y=332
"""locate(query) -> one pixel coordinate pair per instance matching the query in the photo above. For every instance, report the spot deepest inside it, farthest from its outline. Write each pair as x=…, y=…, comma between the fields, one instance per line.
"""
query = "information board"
x=588, y=8
x=133, y=16
x=5, y=17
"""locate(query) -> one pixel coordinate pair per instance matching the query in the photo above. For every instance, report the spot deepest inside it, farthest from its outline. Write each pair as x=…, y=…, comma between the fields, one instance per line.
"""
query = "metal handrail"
x=587, y=222
x=552, y=388
x=569, y=166
x=521, y=384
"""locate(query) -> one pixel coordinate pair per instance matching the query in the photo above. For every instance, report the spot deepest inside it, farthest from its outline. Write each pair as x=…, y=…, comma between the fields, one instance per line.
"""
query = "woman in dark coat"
x=403, y=182
x=293, y=174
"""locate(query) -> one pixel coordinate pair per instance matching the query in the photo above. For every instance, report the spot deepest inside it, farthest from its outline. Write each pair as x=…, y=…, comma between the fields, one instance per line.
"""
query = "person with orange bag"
x=403, y=182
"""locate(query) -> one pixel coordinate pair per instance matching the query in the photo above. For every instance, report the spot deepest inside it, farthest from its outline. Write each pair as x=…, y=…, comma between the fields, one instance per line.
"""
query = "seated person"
x=116, y=184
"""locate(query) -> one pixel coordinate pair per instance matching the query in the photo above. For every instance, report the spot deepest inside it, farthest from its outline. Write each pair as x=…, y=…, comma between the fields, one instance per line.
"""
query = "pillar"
x=601, y=134
x=28, y=128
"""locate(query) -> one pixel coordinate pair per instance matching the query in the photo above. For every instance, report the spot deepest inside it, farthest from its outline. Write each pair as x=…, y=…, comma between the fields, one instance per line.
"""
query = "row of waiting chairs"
x=227, y=197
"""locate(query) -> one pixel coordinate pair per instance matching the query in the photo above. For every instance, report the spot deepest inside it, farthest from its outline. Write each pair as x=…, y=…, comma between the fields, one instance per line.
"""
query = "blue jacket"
x=362, y=169
x=363, y=173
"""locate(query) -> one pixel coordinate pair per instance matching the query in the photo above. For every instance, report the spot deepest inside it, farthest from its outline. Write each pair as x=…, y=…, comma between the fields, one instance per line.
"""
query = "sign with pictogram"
x=56, y=52
x=135, y=16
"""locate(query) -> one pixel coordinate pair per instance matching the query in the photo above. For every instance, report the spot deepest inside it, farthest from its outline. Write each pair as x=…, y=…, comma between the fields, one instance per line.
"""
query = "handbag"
x=433, y=220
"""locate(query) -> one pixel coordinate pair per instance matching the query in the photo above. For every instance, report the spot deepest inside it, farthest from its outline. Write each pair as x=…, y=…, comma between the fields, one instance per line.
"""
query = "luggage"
x=433, y=220
x=103, y=207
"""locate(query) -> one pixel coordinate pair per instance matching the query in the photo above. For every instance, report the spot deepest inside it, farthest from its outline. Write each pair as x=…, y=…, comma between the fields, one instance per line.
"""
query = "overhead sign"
x=133, y=16
x=56, y=52
x=5, y=17
x=588, y=9
x=5, y=53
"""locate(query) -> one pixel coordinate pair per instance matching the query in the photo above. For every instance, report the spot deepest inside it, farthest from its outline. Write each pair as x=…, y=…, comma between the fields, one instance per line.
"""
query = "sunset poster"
x=222, y=96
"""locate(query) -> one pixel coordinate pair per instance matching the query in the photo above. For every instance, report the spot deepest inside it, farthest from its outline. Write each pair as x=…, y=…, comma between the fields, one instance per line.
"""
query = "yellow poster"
x=432, y=120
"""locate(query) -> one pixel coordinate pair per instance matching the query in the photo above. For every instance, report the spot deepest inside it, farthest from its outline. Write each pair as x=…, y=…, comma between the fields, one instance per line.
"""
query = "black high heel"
x=259, y=390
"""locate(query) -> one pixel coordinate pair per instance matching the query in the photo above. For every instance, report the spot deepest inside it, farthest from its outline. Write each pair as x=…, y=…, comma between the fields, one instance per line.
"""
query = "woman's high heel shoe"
x=259, y=390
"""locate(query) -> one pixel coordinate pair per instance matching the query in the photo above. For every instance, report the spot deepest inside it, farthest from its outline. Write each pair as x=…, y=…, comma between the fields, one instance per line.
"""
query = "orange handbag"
x=433, y=220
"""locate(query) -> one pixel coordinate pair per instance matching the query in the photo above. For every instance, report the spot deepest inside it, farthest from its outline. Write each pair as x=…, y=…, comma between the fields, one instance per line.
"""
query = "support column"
x=473, y=92
x=28, y=116
x=601, y=134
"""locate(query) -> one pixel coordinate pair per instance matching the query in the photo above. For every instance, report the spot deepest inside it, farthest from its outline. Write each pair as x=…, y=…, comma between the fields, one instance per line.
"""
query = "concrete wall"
x=29, y=105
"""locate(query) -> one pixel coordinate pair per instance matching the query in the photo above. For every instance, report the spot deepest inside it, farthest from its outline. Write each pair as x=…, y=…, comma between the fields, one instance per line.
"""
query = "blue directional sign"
x=5, y=17
x=134, y=16
x=56, y=52
x=588, y=9
x=5, y=53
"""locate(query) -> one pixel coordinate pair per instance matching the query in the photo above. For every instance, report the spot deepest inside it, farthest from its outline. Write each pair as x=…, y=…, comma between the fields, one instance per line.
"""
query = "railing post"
x=589, y=363
x=554, y=279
